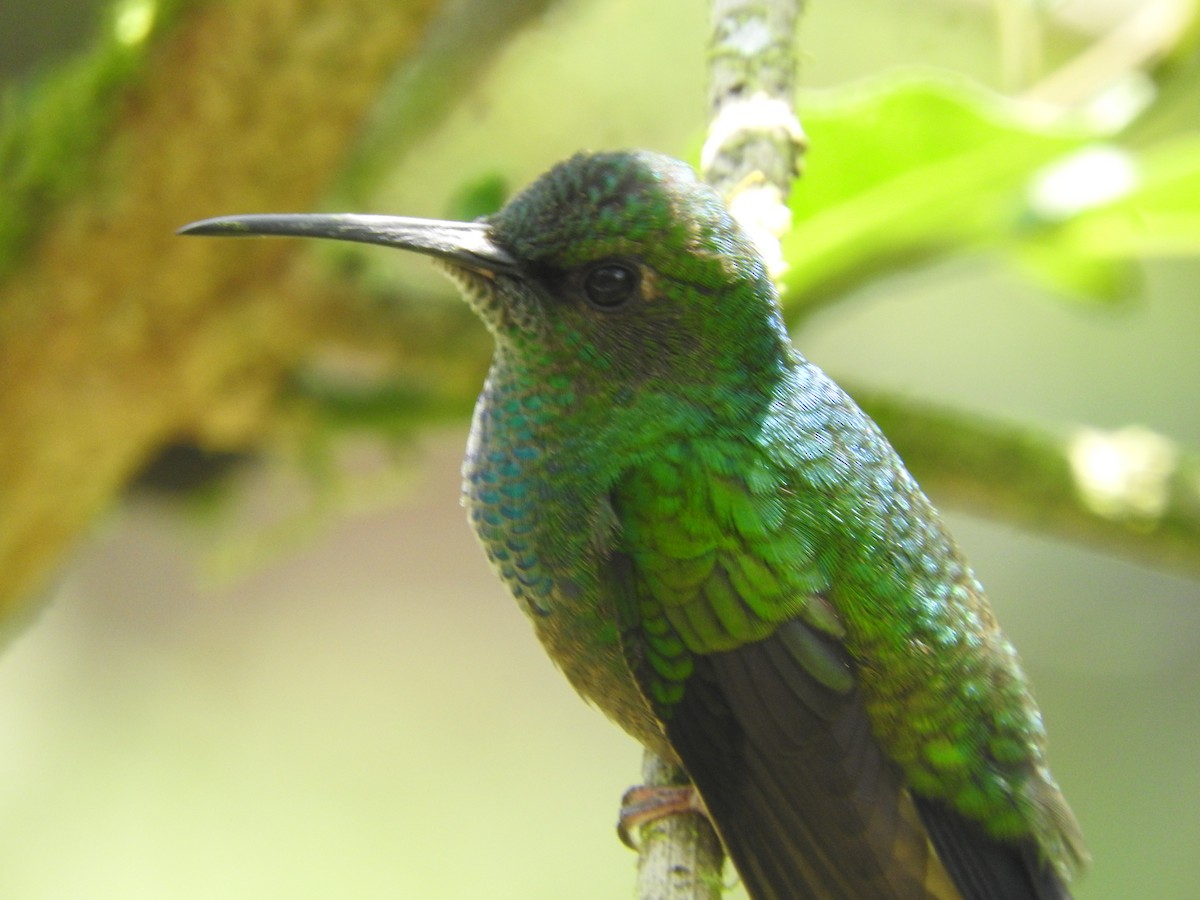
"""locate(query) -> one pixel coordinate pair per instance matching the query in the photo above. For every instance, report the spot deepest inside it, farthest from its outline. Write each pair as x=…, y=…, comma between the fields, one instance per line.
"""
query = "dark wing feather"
x=809, y=806
x=984, y=868
x=805, y=801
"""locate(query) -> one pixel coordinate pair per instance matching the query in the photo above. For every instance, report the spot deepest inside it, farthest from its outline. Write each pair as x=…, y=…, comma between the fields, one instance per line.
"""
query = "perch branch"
x=751, y=156
x=679, y=856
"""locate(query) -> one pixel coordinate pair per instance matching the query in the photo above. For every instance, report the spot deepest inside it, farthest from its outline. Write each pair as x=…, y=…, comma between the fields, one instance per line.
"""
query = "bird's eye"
x=611, y=285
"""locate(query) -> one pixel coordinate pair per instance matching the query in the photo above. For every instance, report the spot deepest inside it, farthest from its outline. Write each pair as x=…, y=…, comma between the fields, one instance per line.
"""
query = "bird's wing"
x=743, y=659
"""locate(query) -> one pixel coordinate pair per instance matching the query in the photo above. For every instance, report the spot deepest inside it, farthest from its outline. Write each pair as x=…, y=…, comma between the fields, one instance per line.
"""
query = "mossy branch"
x=1129, y=492
x=116, y=337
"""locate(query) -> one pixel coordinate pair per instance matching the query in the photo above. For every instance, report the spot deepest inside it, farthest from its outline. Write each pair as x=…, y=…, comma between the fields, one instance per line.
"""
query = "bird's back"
x=827, y=666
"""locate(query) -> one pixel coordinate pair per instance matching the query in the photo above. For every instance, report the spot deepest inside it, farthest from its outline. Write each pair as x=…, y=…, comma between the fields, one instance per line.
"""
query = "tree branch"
x=1130, y=492
x=751, y=156
x=116, y=337
x=679, y=856
x=755, y=142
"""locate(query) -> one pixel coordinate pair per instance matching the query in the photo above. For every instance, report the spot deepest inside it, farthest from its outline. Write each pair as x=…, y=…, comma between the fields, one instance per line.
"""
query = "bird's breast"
x=546, y=526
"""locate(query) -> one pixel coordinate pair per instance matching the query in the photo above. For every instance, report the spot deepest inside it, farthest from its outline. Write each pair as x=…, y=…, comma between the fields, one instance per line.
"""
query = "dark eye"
x=611, y=285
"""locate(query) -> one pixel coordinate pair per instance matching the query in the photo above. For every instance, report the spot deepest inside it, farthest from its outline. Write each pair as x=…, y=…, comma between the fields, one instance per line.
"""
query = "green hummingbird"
x=722, y=551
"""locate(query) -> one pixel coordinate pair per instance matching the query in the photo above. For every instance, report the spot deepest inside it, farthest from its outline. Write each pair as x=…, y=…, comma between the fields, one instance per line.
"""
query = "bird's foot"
x=646, y=803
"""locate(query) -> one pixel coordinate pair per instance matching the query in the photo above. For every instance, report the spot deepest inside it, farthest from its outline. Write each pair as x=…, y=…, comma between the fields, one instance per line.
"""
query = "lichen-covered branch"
x=755, y=142
x=679, y=856
x=751, y=155
x=117, y=337
x=1130, y=492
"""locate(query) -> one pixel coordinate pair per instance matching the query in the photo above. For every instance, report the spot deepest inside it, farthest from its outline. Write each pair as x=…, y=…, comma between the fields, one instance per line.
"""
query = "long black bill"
x=466, y=243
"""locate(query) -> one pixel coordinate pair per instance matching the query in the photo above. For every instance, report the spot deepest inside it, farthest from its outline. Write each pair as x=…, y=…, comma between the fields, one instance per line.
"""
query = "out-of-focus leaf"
x=1092, y=177
x=1160, y=216
x=1077, y=275
x=1157, y=214
x=481, y=196
x=903, y=169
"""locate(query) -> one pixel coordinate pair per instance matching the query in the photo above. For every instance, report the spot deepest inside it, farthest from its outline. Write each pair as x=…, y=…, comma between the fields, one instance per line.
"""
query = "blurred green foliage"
x=903, y=169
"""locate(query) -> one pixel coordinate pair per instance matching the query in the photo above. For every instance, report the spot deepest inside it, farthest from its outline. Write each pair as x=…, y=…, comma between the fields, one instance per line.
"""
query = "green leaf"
x=903, y=169
x=1159, y=216
x=1153, y=211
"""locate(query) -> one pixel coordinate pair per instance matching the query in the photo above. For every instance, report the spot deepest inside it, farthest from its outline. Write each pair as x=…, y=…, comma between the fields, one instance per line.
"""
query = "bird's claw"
x=645, y=803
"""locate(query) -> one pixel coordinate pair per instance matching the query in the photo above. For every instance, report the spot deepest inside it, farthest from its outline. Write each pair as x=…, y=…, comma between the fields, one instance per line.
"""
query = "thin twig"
x=752, y=155
x=1133, y=44
x=679, y=856
x=755, y=142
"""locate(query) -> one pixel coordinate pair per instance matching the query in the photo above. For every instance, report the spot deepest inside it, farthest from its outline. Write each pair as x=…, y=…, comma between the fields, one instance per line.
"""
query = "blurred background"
x=272, y=702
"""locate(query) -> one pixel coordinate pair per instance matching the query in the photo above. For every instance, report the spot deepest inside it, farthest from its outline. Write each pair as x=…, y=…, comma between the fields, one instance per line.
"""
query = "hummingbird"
x=723, y=553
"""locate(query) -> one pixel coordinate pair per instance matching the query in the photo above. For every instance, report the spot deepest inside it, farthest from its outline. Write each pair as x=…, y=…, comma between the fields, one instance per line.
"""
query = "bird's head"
x=612, y=268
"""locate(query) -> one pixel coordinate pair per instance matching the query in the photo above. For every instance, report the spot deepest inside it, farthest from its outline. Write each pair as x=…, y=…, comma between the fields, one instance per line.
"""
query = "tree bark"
x=117, y=337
